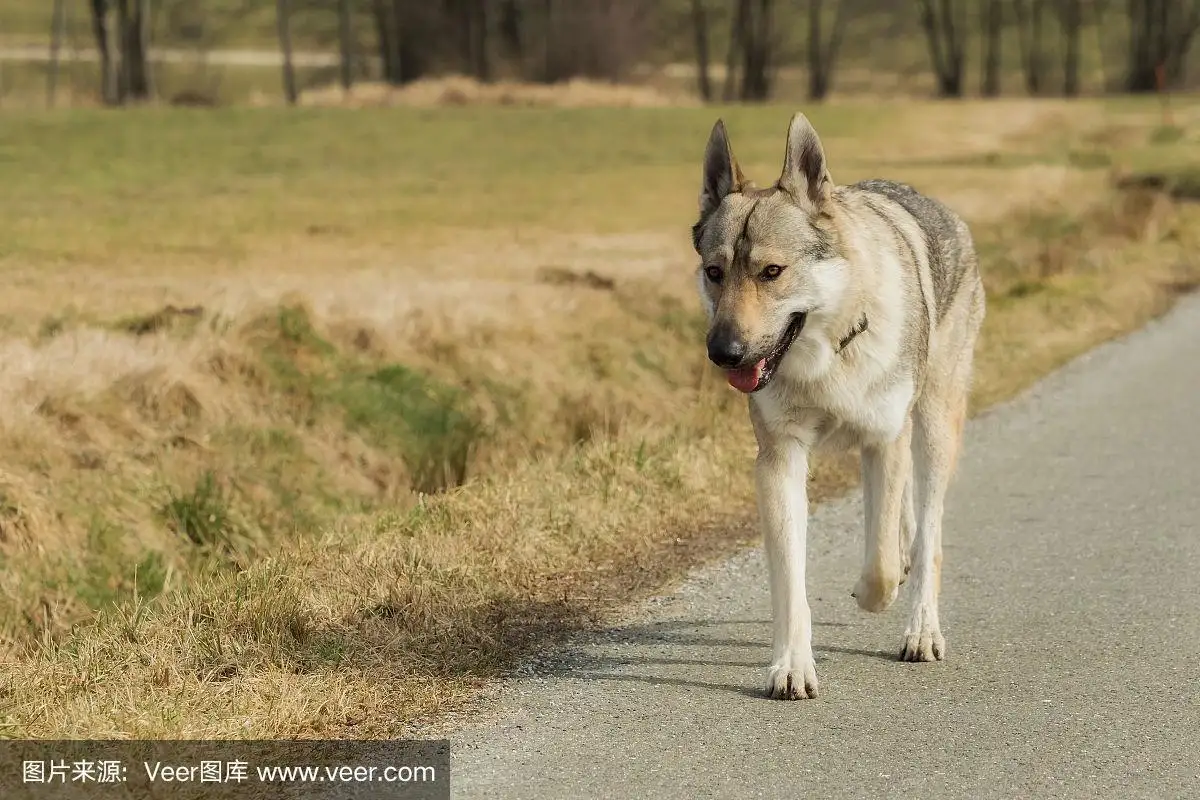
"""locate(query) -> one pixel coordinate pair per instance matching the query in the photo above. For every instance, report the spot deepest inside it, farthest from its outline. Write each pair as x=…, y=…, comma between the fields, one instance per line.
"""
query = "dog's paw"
x=793, y=677
x=875, y=591
x=927, y=644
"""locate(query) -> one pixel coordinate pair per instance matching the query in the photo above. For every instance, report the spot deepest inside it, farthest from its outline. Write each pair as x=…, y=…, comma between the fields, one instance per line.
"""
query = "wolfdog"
x=848, y=315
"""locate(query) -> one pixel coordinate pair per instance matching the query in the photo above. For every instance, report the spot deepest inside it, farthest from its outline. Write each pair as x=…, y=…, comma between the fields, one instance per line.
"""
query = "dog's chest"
x=838, y=414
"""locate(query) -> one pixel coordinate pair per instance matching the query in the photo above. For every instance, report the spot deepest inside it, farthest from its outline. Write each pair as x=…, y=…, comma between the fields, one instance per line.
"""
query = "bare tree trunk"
x=1144, y=51
x=993, y=26
x=134, y=79
x=756, y=54
x=1185, y=33
x=483, y=41
x=700, y=27
x=1071, y=22
x=1029, y=35
x=822, y=55
x=737, y=43
x=475, y=32
x=125, y=63
x=1162, y=32
x=955, y=49
x=404, y=32
x=766, y=47
x=946, y=46
x=509, y=29
x=283, y=12
x=414, y=34
x=816, y=73
x=387, y=30
x=548, y=66
x=1136, y=78
x=145, y=34
x=109, y=92
x=1099, y=7
x=72, y=51
x=345, y=45
x=383, y=41
x=1162, y=43
x=57, y=30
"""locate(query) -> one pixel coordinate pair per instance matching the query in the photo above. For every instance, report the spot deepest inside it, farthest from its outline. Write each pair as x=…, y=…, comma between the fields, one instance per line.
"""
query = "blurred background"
x=205, y=52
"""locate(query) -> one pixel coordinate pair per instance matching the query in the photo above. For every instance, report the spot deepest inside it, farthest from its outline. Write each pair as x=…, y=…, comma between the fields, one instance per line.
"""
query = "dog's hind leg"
x=937, y=434
x=885, y=472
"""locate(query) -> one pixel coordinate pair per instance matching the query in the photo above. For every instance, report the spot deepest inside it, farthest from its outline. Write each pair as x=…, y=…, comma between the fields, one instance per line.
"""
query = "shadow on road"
x=744, y=691
x=673, y=644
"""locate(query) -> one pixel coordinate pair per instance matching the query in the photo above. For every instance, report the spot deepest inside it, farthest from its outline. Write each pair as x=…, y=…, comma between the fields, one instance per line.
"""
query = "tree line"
x=737, y=46
x=1158, y=35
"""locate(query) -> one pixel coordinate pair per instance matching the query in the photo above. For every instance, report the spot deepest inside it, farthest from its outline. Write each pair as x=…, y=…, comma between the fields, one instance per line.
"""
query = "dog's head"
x=770, y=262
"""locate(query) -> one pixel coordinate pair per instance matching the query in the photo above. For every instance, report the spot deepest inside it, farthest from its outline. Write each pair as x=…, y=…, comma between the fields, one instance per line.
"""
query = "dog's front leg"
x=781, y=474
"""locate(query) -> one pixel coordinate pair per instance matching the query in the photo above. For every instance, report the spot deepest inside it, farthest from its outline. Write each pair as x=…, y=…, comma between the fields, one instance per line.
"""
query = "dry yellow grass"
x=213, y=457
x=456, y=90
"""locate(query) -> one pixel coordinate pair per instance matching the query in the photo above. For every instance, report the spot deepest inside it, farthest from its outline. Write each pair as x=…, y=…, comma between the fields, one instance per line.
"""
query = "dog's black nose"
x=725, y=348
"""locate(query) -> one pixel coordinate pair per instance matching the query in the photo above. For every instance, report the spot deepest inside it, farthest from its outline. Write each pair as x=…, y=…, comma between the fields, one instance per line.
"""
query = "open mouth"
x=755, y=376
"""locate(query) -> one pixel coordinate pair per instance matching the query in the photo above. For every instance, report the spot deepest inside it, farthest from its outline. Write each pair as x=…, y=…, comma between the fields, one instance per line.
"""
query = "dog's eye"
x=771, y=272
x=715, y=274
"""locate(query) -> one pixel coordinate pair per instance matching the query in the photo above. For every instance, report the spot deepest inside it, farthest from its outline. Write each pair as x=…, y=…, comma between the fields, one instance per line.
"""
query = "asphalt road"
x=1070, y=604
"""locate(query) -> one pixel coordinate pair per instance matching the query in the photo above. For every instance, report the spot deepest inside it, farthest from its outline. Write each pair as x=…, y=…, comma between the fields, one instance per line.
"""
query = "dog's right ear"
x=805, y=171
x=722, y=176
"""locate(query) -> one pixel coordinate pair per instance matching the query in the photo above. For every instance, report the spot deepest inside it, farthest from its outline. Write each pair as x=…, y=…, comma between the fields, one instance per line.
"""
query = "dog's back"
x=948, y=246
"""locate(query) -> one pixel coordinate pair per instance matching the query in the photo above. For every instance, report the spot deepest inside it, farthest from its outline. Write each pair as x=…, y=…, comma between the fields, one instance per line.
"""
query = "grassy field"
x=314, y=421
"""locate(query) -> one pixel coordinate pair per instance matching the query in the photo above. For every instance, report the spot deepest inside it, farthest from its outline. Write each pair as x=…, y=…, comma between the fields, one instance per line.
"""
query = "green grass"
x=93, y=185
x=201, y=515
x=429, y=423
x=88, y=186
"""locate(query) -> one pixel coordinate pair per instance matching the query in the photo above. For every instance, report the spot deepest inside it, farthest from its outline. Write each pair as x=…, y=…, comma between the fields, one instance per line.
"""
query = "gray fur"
x=919, y=325
x=947, y=239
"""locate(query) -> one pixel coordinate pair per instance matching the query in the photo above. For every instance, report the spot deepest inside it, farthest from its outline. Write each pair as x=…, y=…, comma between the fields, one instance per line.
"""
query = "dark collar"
x=849, y=337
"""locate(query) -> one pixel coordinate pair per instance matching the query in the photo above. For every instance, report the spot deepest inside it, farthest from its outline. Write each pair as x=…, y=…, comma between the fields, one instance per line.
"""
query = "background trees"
x=736, y=50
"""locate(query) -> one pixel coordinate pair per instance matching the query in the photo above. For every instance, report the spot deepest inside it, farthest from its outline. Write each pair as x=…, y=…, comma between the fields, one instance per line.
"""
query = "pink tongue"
x=746, y=379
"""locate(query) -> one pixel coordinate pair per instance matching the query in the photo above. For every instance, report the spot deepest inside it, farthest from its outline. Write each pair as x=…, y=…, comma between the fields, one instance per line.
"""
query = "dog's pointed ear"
x=722, y=175
x=805, y=173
